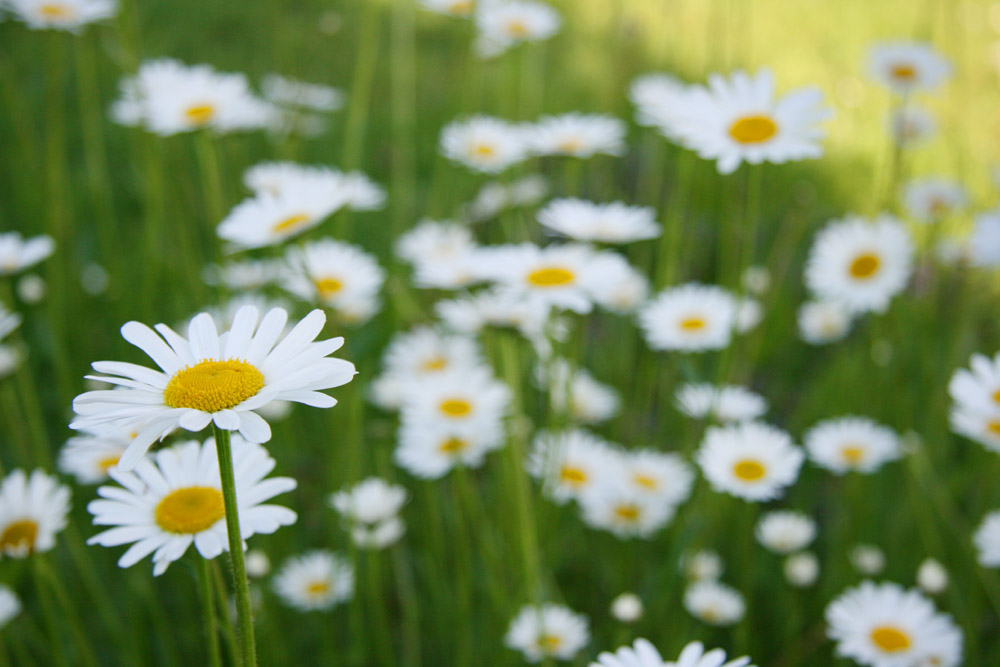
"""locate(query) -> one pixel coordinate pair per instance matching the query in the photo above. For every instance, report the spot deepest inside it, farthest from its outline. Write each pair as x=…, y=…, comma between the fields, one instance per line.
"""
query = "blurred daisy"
x=10, y=605
x=371, y=509
x=884, y=625
x=8, y=321
x=89, y=457
x=575, y=391
x=911, y=125
x=459, y=8
x=714, y=603
x=907, y=67
x=616, y=222
x=801, y=569
x=783, y=532
x=624, y=289
x=290, y=92
x=246, y=274
x=494, y=308
x=980, y=427
x=315, y=581
x=547, y=631
x=690, y=318
x=441, y=253
x=483, y=144
x=932, y=577
x=978, y=390
x=851, y=443
x=502, y=25
x=987, y=540
x=933, y=199
x=572, y=463
x=867, y=559
x=333, y=274
x=68, y=15
x=702, y=565
x=354, y=189
x=211, y=378
x=738, y=120
x=659, y=101
x=756, y=280
x=822, y=322
x=173, y=499
x=860, y=264
x=983, y=245
x=455, y=397
x=728, y=403
x=661, y=475
x=644, y=654
x=32, y=510
x=627, y=608
x=750, y=460
x=576, y=135
x=430, y=451
x=749, y=313
x=258, y=564
x=625, y=511
x=17, y=255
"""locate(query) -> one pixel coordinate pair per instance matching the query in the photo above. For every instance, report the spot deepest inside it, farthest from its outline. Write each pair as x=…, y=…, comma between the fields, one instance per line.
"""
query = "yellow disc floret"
x=190, y=510
x=211, y=386
x=19, y=535
x=753, y=129
x=890, y=639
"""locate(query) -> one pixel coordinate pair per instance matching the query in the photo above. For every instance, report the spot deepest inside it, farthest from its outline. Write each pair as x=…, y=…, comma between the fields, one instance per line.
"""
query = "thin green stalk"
x=404, y=104
x=359, y=100
x=383, y=636
x=222, y=603
x=85, y=652
x=50, y=617
x=211, y=176
x=241, y=586
x=208, y=611
x=407, y=593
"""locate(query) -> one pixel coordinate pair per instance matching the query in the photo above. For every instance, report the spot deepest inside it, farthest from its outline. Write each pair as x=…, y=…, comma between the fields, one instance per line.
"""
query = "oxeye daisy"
x=577, y=393
x=689, y=318
x=750, y=460
x=89, y=457
x=906, y=67
x=859, y=263
x=851, y=443
x=173, y=499
x=547, y=631
x=17, y=254
x=643, y=654
x=246, y=274
x=315, y=581
x=662, y=475
x=659, y=101
x=33, y=510
x=624, y=288
x=572, y=464
x=494, y=308
x=822, y=322
x=714, y=603
x=442, y=254
x=933, y=199
x=8, y=321
x=333, y=273
x=455, y=397
x=68, y=15
x=577, y=135
x=801, y=569
x=784, y=531
x=884, y=625
x=494, y=198
x=932, y=576
x=987, y=540
x=208, y=378
x=371, y=509
x=625, y=511
x=10, y=605
x=981, y=427
x=606, y=223
x=983, y=245
x=289, y=92
x=353, y=189
x=430, y=451
x=504, y=24
x=728, y=403
x=737, y=119
x=978, y=389
x=867, y=559
x=702, y=565
x=484, y=144
x=911, y=125
x=627, y=608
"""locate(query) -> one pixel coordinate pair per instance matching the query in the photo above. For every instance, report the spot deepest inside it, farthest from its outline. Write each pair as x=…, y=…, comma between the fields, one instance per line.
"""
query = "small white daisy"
x=573, y=464
x=501, y=25
x=483, y=144
x=907, y=67
x=371, y=509
x=289, y=92
x=851, y=443
x=641, y=654
x=728, y=403
x=702, y=565
x=801, y=569
x=984, y=242
x=978, y=389
x=258, y=564
x=17, y=254
x=495, y=198
x=211, y=378
x=33, y=510
x=987, y=540
x=867, y=559
x=695, y=655
x=454, y=397
x=624, y=287
x=859, y=263
x=8, y=321
x=10, y=605
x=783, y=532
x=315, y=581
x=246, y=274
x=430, y=451
x=756, y=280
x=932, y=576
x=441, y=253
x=627, y=608
x=714, y=603
x=616, y=222
x=822, y=322
x=625, y=511
x=577, y=135
x=933, y=199
x=662, y=475
x=89, y=457
x=577, y=393
x=547, y=631
x=333, y=274
x=173, y=499
x=749, y=460
x=494, y=308
x=68, y=15
x=354, y=189
x=689, y=318
x=981, y=427
x=911, y=126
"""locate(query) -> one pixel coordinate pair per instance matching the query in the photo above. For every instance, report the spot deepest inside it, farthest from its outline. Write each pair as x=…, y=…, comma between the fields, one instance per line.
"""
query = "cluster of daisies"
x=501, y=24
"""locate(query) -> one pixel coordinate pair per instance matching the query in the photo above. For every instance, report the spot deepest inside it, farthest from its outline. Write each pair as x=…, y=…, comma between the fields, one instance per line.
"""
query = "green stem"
x=241, y=586
x=208, y=611
x=49, y=616
x=361, y=86
x=69, y=615
x=221, y=599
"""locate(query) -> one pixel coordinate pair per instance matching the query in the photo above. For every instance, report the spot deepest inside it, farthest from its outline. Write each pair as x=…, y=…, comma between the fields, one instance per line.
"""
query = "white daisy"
x=867, y=559
x=783, y=532
x=246, y=274
x=689, y=318
x=625, y=511
x=10, y=605
x=616, y=222
x=624, y=287
x=431, y=450
x=371, y=509
x=822, y=322
x=906, y=67
x=289, y=92
x=851, y=443
x=987, y=540
x=576, y=392
x=627, y=608
x=455, y=397
x=884, y=625
x=333, y=274
x=483, y=144
x=212, y=378
x=933, y=199
x=547, y=631
x=738, y=120
x=504, y=24
x=225, y=315
x=695, y=655
x=494, y=198
x=17, y=255
x=641, y=654
x=573, y=464
x=911, y=125
x=315, y=581
x=801, y=569
x=459, y=8
x=32, y=510
x=494, y=308
x=932, y=576
x=659, y=101
x=68, y=15
x=860, y=264
x=756, y=280
x=10, y=360
x=8, y=321
x=714, y=603
x=258, y=564
x=173, y=499
x=702, y=565
x=266, y=220
x=662, y=475
x=981, y=427
x=442, y=254
x=577, y=135
x=89, y=457
x=727, y=403
x=750, y=460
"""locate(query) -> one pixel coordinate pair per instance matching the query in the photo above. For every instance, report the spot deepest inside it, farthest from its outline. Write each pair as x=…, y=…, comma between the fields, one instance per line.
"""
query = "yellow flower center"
x=328, y=287
x=453, y=446
x=107, y=463
x=551, y=276
x=573, y=476
x=483, y=150
x=570, y=145
x=904, y=72
x=627, y=512
x=517, y=28
x=292, y=223
x=190, y=510
x=865, y=266
x=993, y=427
x=549, y=643
x=462, y=7
x=455, y=407
x=317, y=588
x=890, y=639
x=200, y=114
x=19, y=535
x=211, y=386
x=434, y=364
x=646, y=482
x=853, y=454
x=996, y=396
x=749, y=470
x=693, y=324
x=55, y=11
x=753, y=129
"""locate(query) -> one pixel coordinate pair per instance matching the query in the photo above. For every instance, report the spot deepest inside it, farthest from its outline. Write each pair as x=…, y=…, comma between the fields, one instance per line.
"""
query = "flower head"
x=33, y=510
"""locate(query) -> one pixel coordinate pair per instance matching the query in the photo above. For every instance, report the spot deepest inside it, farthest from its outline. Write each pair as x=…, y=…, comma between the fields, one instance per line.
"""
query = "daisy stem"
x=208, y=611
x=208, y=164
x=68, y=616
x=359, y=99
x=219, y=581
x=55, y=647
x=241, y=586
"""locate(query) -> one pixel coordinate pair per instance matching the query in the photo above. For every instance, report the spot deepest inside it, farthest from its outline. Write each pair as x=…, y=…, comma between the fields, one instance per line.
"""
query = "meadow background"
x=145, y=208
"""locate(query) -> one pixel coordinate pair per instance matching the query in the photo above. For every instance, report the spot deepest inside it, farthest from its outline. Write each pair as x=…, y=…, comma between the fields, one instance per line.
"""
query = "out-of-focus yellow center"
x=55, y=11
x=190, y=510
x=107, y=463
x=569, y=145
x=865, y=266
x=434, y=364
x=627, y=512
x=753, y=129
x=292, y=223
x=993, y=427
x=517, y=28
x=328, y=287
x=19, y=535
x=483, y=151
x=693, y=323
x=646, y=481
x=200, y=114
x=573, y=476
x=551, y=276
x=453, y=446
x=904, y=72
x=318, y=588
x=549, y=643
x=461, y=7
x=996, y=396
x=890, y=639
x=455, y=407
x=749, y=470
x=853, y=454
x=211, y=386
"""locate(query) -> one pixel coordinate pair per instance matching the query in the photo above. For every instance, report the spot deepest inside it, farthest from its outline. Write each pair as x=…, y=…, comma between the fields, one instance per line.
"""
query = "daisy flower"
x=727, y=403
x=68, y=15
x=371, y=509
x=662, y=475
x=932, y=576
x=750, y=460
x=495, y=198
x=458, y=8
x=173, y=499
x=502, y=25
x=245, y=274
x=333, y=274
x=577, y=135
x=822, y=322
x=483, y=144
x=933, y=199
x=703, y=565
x=643, y=654
x=288, y=92
x=627, y=608
x=547, y=631
x=10, y=605
x=455, y=397
x=980, y=427
x=315, y=581
x=987, y=540
x=8, y=321
x=442, y=254
x=907, y=67
x=859, y=263
x=625, y=511
x=851, y=443
x=714, y=603
x=89, y=457
x=783, y=532
x=978, y=389
x=577, y=392
x=867, y=559
x=756, y=280
x=616, y=222
x=884, y=625
x=737, y=120
x=430, y=451
x=354, y=189
x=211, y=378
x=659, y=101
x=911, y=125
x=32, y=510
x=689, y=318
x=572, y=464
x=494, y=308
x=17, y=254
x=801, y=569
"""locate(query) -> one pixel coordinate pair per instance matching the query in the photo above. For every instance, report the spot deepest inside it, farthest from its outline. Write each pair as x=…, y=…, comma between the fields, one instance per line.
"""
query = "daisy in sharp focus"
x=315, y=581
x=689, y=318
x=907, y=67
x=577, y=135
x=933, y=199
x=211, y=378
x=859, y=263
x=851, y=443
x=728, y=403
x=173, y=499
x=616, y=222
x=17, y=254
x=749, y=460
x=484, y=144
x=737, y=119
x=547, y=631
x=334, y=274
x=68, y=15
x=33, y=510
